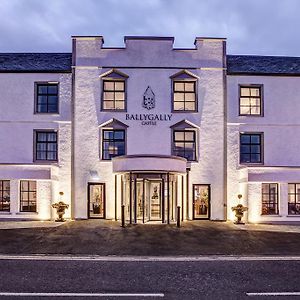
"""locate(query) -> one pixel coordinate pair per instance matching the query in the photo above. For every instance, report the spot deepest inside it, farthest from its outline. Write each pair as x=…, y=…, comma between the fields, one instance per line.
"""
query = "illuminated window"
x=28, y=196
x=184, y=87
x=46, y=98
x=184, y=95
x=4, y=195
x=114, y=91
x=250, y=148
x=46, y=145
x=184, y=144
x=294, y=199
x=113, y=143
x=269, y=198
x=250, y=100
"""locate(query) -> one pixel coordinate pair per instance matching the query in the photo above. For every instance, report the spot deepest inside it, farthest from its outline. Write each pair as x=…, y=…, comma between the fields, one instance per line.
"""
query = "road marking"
x=160, y=295
x=275, y=294
x=148, y=258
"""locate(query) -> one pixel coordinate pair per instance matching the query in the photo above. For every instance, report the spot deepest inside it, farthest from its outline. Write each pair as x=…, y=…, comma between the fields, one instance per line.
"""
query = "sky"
x=256, y=27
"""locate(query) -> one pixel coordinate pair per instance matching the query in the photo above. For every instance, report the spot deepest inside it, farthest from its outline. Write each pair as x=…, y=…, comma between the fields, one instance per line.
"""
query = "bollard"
x=123, y=215
x=178, y=216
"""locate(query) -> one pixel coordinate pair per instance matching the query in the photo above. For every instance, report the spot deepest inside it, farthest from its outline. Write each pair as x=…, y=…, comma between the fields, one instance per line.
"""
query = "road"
x=169, y=278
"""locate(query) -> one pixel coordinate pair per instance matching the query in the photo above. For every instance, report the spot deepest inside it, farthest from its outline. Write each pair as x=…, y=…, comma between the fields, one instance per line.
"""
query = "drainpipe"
x=73, y=195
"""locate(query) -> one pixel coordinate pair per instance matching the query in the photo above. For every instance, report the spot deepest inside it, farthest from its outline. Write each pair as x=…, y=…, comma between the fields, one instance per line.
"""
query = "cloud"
x=251, y=26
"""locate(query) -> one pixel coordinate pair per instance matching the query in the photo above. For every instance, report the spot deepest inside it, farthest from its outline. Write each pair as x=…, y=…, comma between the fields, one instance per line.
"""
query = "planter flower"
x=239, y=213
x=60, y=209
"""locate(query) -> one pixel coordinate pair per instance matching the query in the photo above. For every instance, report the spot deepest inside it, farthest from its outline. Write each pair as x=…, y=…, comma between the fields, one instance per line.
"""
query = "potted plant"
x=60, y=209
x=239, y=210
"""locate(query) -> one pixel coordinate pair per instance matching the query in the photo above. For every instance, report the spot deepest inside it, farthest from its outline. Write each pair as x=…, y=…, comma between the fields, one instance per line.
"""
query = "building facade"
x=263, y=136
x=149, y=131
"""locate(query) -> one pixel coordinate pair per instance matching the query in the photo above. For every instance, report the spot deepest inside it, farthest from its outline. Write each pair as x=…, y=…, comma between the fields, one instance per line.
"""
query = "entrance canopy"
x=146, y=163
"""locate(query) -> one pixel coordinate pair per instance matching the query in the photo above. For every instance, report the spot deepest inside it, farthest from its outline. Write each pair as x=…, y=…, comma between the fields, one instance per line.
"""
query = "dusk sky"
x=262, y=27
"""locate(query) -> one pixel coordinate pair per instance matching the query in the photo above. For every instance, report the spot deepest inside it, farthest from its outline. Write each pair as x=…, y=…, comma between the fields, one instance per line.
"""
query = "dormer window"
x=114, y=91
x=184, y=92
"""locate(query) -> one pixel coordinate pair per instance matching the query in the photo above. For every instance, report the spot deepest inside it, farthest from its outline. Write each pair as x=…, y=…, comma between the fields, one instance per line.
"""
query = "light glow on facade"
x=133, y=110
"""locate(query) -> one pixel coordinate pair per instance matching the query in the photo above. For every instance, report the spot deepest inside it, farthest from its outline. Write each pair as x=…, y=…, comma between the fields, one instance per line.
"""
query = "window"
x=184, y=144
x=113, y=143
x=184, y=95
x=113, y=95
x=294, y=199
x=47, y=98
x=251, y=148
x=4, y=195
x=46, y=145
x=28, y=196
x=269, y=198
x=250, y=100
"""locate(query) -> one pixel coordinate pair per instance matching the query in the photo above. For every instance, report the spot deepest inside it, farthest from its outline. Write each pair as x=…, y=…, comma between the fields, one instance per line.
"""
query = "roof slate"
x=35, y=62
x=263, y=65
x=236, y=64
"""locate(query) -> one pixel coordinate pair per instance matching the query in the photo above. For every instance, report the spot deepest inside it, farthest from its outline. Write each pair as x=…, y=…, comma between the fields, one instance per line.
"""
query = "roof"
x=35, y=62
x=262, y=65
x=236, y=64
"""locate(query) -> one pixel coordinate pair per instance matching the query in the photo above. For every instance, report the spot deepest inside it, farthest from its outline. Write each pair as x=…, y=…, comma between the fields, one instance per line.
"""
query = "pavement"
x=107, y=238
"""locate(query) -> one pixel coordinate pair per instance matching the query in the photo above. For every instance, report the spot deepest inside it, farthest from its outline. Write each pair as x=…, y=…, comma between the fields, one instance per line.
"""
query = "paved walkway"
x=98, y=237
x=28, y=224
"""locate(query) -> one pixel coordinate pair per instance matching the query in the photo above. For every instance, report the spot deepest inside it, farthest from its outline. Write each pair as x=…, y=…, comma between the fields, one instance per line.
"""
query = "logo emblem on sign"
x=149, y=98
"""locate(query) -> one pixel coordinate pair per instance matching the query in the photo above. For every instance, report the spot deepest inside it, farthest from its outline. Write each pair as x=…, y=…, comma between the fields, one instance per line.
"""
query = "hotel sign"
x=149, y=103
x=149, y=119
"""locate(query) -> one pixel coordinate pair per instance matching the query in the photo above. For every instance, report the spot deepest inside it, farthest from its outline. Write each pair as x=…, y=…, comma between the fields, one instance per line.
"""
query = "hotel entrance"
x=150, y=187
x=149, y=197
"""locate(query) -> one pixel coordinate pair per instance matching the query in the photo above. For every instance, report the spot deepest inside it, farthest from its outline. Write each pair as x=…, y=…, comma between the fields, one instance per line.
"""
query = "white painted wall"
x=17, y=123
x=148, y=63
x=280, y=125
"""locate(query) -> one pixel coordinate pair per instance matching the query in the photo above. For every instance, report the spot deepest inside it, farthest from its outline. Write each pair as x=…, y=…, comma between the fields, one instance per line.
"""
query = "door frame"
x=89, y=199
x=209, y=201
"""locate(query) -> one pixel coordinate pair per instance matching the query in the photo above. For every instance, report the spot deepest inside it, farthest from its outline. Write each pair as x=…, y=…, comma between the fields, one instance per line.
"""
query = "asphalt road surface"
x=169, y=278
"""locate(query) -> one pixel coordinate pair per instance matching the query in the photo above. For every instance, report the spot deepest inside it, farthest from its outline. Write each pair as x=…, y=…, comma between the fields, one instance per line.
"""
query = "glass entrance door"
x=96, y=200
x=149, y=197
x=201, y=201
x=140, y=198
x=155, y=201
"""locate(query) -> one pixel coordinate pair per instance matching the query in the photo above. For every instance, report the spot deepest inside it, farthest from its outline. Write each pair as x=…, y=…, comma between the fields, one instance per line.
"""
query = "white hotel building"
x=151, y=130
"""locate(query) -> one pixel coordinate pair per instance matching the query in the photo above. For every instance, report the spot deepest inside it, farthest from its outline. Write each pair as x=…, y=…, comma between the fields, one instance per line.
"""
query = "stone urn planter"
x=60, y=209
x=239, y=213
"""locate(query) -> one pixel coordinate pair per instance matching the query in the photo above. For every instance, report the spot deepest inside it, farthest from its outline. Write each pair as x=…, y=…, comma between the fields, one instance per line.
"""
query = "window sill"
x=5, y=213
x=46, y=162
x=47, y=114
x=185, y=111
x=113, y=110
x=251, y=164
x=255, y=116
x=271, y=216
x=27, y=213
x=293, y=216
